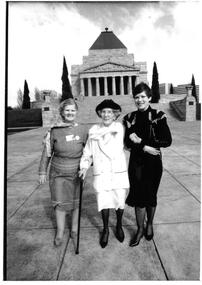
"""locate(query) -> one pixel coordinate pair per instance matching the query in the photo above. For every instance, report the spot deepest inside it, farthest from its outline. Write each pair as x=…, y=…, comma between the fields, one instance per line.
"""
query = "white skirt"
x=114, y=199
x=109, y=181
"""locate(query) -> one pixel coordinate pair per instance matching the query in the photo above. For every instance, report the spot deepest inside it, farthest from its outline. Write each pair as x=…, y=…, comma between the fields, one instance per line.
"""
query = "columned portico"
x=114, y=84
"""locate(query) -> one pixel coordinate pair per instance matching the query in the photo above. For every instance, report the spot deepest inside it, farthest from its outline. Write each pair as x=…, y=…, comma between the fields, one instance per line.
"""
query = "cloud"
x=171, y=39
x=36, y=50
x=40, y=33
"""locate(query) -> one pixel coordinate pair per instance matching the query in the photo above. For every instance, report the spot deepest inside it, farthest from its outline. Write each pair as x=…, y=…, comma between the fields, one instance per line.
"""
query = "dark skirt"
x=64, y=188
x=144, y=176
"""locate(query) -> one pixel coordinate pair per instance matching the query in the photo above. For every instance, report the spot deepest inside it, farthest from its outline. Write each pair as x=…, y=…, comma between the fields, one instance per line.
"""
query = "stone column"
x=113, y=86
x=137, y=81
x=97, y=87
x=129, y=85
x=190, y=110
x=82, y=87
x=105, y=86
x=89, y=87
x=189, y=90
x=121, y=86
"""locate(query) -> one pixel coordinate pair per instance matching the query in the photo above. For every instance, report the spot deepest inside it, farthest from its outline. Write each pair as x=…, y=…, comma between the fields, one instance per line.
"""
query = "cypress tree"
x=66, y=87
x=171, y=89
x=155, y=85
x=26, y=98
x=194, y=88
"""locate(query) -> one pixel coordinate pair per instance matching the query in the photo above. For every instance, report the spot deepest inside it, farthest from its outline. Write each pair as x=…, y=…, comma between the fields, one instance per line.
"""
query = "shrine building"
x=107, y=70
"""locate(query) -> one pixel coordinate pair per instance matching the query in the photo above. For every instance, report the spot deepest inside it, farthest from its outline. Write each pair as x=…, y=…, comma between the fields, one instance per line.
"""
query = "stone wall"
x=186, y=108
x=164, y=88
x=179, y=106
x=50, y=113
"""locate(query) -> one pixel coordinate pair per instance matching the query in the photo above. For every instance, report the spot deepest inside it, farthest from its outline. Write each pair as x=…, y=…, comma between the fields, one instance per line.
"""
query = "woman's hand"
x=42, y=178
x=82, y=173
x=134, y=138
x=151, y=150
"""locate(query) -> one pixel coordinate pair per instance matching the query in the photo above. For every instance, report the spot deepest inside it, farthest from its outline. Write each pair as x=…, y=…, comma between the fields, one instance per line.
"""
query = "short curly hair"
x=142, y=87
x=67, y=102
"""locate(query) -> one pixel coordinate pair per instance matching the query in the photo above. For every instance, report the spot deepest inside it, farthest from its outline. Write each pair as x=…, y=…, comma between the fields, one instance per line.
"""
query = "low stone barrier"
x=180, y=108
x=186, y=108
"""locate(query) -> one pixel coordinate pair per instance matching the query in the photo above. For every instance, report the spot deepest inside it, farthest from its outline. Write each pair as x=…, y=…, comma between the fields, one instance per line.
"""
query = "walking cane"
x=79, y=217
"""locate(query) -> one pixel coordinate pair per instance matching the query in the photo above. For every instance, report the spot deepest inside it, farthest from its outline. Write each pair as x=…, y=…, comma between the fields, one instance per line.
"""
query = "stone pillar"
x=189, y=90
x=113, y=86
x=190, y=113
x=97, y=87
x=89, y=87
x=82, y=91
x=129, y=85
x=121, y=86
x=137, y=80
x=105, y=86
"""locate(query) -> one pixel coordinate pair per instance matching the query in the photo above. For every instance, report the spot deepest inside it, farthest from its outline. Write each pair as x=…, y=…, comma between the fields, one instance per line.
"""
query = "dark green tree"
x=26, y=98
x=194, y=88
x=66, y=87
x=155, y=85
x=171, y=89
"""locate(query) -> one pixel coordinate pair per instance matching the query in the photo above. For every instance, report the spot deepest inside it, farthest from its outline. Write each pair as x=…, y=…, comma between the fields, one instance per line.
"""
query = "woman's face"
x=142, y=101
x=69, y=113
x=107, y=116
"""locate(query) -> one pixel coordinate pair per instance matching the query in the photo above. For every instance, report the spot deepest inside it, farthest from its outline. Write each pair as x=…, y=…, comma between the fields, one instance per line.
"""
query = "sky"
x=41, y=33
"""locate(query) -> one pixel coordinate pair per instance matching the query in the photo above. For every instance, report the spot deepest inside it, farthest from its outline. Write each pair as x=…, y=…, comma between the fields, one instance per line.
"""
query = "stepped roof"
x=107, y=40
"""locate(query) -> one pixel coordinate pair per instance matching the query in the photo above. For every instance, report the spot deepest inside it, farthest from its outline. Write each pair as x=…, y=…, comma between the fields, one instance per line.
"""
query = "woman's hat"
x=108, y=103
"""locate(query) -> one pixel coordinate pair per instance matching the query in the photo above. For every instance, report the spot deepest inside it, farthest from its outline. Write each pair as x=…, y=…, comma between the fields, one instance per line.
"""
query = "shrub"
x=24, y=118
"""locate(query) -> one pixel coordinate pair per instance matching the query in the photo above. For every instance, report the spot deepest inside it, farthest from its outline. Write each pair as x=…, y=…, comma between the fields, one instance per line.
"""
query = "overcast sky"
x=41, y=33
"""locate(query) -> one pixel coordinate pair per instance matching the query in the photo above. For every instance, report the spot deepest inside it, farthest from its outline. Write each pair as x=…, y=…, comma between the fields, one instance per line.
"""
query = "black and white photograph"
x=102, y=140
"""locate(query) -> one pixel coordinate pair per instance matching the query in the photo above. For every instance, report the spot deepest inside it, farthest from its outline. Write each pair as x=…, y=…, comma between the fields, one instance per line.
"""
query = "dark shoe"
x=149, y=234
x=136, y=240
x=120, y=234
x=58, y=241
x=104, y=238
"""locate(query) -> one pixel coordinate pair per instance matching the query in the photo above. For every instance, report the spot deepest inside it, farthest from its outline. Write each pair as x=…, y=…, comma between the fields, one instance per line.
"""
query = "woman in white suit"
x=105, y=149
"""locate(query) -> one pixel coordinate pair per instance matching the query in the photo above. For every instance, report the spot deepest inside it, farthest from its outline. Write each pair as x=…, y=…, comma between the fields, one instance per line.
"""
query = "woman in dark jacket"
x=146, y=131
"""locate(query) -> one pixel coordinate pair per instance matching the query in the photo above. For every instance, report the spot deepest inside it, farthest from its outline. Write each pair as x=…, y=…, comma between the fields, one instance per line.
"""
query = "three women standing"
x=105, y=149
x=63, y=148
x=146, y=130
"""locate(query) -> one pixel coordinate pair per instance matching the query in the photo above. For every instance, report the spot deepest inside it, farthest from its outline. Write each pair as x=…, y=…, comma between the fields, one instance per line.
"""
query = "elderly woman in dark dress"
x=63, y=146
x=146, y=131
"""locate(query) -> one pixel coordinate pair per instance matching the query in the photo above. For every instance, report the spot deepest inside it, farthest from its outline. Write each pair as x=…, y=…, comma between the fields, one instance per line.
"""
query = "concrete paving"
x=173, y=254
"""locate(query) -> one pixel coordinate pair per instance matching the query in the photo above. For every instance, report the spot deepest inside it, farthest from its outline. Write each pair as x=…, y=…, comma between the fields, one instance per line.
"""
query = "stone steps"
x=87, y=107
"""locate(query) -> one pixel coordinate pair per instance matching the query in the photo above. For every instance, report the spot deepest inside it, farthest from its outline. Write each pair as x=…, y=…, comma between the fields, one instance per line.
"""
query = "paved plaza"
x=173, y=254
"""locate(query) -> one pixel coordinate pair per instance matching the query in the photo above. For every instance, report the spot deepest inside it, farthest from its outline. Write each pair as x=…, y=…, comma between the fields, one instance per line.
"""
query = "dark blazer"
x=151, y=126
